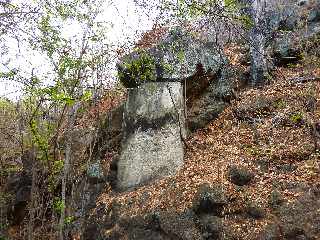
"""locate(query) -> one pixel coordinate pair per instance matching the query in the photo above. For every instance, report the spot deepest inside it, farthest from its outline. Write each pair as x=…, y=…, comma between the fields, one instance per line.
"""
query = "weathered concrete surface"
x=153, y=127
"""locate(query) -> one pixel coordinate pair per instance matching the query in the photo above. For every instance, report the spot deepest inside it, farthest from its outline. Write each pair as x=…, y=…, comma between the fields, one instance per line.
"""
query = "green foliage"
x=168, y=68
x=10, y=75
x=6, y=105
x=87, y=95
x=57, y=166
x=292, y=65
x=137, y=71
x=7, y=170
x=279, y=104
x=58, y=205
x=181, y=56
x=231, y=5
x=40, y=139
x=68, y=220
x=252, y=150
x=184, y=9
x=296, y=117
x=245, y=20
x=50, y=36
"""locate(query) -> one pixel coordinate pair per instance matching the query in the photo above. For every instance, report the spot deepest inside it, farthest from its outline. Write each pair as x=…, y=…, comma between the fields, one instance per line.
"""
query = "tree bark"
x=71, y=120
x=259, y=67
x=33, y=191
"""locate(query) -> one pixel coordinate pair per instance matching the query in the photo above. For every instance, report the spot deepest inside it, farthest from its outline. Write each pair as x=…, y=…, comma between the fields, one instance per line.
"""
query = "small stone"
x=95, y=173
x=181, y=225
x=209, y=200
x=287, y=167
x=279, y=120
x=255, y=211
x=240, y=176
x=314, y=15
x=276, y=199
x=212, y=227
x=302, y=2
x=263, y=165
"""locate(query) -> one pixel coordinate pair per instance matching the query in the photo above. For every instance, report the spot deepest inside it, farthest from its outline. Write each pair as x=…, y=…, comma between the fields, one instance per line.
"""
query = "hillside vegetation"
x=213, y=126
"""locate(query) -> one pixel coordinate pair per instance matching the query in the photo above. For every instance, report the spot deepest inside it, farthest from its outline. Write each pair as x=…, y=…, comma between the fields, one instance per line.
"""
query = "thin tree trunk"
x=259, y=68
x=71, y=121
x=32, y=205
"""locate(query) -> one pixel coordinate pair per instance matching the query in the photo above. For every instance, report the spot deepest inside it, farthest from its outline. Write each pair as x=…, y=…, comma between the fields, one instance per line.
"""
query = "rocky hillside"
x=243, y=160
x=253, y=173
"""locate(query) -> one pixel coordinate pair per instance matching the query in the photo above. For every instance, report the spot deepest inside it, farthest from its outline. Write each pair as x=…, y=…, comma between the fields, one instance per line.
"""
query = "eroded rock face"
x=213, y=100
x=153, y=130
x=173, y=59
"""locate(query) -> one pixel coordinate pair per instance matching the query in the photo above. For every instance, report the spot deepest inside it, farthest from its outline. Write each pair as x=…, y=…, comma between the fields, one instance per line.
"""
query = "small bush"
x=137, y=69
x=296, y=118
x=280, y=104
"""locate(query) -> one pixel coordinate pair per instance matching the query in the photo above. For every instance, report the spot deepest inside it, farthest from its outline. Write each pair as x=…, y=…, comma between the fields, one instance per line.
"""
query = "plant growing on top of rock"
x=279, y=104
x=137, y=69
x=296, y=118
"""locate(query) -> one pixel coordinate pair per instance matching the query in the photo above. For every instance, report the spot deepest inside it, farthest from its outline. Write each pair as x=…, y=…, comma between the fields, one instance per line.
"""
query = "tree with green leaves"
x=75, y=65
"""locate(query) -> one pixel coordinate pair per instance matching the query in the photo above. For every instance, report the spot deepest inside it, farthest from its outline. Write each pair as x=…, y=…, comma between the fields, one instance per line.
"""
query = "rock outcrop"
x=175, y=58
x=153, y=131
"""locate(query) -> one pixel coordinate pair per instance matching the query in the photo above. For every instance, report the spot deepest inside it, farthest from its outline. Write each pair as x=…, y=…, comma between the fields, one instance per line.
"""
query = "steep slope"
x=261, y=152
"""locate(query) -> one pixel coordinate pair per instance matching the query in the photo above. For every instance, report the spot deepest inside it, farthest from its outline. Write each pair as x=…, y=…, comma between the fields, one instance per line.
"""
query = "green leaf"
x=86, y=96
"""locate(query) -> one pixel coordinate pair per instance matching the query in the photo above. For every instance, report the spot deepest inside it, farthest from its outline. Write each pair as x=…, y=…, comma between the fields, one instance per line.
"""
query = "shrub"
x=296, y=118
x=137, y=69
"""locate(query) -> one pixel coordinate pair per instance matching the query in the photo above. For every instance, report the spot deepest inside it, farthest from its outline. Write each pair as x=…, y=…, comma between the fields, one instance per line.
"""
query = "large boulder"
x=192, y=59
x=153, y=131
x=211, y=226
x=286, y=50
x=174, y=58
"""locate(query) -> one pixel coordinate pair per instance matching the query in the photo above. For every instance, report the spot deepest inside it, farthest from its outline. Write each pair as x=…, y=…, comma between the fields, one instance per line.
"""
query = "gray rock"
x=153, y=130
x=271, y=232
x=209, y=200
x=255, y=211
x=286, y=51
x=180, y=225
x=240, y=175
x=263, y=165
x=314, y=15
x=19, y=185
x=156, y=225
x=302, y=2
x=212, y=101
x=95, y=173
x=183, y=52
x=279, y=120
x=206, y=110
x=175, y=57
x=211, y=226
x=275, y=199
x=287, y=167
x=303, y=210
